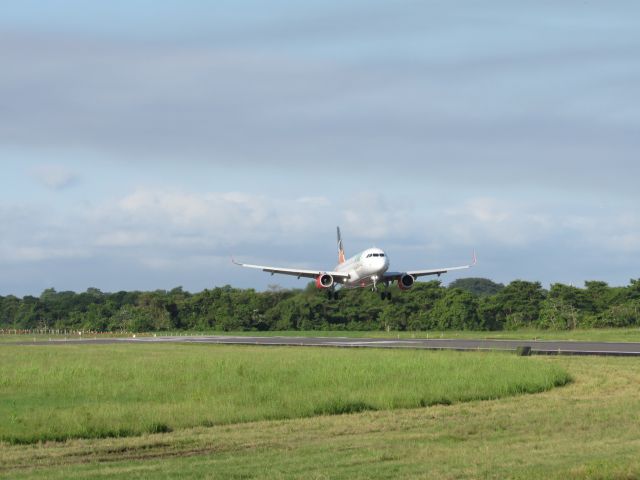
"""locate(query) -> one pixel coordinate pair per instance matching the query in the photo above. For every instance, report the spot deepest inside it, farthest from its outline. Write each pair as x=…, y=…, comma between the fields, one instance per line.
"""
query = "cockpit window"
x=382, y=254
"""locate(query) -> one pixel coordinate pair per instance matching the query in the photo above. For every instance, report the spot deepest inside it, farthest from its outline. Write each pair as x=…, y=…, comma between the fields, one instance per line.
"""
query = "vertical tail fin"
x=340, y=248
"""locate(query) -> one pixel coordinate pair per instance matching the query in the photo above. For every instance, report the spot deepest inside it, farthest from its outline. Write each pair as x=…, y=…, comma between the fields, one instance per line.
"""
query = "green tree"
x=8, y=311
x=519, y=304
x=558, y=314
x=482, y=287
x=633, y=291
x=133, y=319
x=456, y=310
x=622, y=315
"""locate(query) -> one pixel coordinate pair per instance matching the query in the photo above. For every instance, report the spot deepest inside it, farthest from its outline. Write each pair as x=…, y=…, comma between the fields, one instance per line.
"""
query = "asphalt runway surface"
x=539, y=347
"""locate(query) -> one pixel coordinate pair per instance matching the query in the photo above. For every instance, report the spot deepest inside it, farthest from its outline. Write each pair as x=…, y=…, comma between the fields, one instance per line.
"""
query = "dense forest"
x=466, y=304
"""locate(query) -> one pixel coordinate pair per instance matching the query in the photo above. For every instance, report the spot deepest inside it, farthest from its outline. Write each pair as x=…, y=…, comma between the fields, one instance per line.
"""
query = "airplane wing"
x=296, y=272
x=432, y=271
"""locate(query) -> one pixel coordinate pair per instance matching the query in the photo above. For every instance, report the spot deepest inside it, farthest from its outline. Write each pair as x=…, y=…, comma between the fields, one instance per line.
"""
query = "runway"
x=537, y=347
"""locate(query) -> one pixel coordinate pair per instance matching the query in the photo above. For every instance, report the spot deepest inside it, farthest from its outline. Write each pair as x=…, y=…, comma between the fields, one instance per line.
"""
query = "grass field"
x=589, y=429
x=595, y=335
x=75, y=391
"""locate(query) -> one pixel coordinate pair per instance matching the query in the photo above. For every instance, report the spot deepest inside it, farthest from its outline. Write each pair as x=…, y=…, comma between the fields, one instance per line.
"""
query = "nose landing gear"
x=374, y=279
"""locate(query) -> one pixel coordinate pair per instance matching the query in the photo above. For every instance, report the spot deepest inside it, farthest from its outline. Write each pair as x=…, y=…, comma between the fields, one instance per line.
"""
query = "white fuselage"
x=365, y=268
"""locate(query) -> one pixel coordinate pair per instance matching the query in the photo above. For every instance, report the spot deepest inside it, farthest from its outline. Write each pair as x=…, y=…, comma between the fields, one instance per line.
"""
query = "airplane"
x=367, y=268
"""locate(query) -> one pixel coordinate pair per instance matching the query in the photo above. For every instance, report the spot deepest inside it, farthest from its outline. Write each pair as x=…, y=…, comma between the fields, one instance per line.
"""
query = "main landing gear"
x=385, y=294
x=332, y=294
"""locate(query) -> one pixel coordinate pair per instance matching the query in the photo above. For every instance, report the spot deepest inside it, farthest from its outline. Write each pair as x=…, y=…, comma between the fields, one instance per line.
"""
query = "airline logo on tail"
x=340, y=248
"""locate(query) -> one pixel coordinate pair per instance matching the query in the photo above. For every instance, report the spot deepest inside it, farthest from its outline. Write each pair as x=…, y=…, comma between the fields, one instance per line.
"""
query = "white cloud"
x=625, y=243
x=487, y=211
x=31, y=235
x=193, y=104
x=180, y=220
x=222, y=214
x=122, y=239
x=503, y=223
x=36, y=253
x=315, y=201
x=619, y=233
x=185, y=263
x=54, y=177
x=374, y=216
x=177, y=235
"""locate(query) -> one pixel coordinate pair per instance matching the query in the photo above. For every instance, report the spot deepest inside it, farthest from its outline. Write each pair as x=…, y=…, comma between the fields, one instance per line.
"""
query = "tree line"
x=466, y=304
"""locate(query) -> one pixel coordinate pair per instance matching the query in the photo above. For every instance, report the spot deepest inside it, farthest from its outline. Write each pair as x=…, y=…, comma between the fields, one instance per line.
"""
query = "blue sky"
x=143, y=143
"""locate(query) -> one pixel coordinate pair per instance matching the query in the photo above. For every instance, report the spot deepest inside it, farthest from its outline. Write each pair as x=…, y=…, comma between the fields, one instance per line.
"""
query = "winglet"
x=475, y=259
x=341, y=257
x=234, y=262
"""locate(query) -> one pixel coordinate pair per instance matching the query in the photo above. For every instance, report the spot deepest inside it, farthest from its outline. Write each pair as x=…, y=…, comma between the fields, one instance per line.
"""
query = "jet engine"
x=324, y=280
x=405, y=282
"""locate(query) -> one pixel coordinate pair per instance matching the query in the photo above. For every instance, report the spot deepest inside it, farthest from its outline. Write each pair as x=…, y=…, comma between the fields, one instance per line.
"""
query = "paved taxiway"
x=537, y=346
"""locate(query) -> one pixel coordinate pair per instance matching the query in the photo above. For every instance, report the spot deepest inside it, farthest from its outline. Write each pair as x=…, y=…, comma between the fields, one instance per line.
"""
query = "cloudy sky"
x=144, y=142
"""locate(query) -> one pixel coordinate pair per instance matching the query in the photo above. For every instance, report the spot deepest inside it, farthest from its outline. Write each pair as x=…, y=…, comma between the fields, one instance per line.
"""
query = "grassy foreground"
x=586, y=430
x=631, y=334
x=76, y=391
x=587, y=335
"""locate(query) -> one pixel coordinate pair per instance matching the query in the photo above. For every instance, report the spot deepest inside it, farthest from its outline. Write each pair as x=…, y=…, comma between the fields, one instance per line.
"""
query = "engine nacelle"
x=324, y=281
x=405, y=282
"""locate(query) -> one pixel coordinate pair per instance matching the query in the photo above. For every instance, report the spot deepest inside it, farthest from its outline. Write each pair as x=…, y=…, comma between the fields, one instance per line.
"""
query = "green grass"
x=76, y=391
x=38, y=337
x=591, y=335
x=588, y=429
